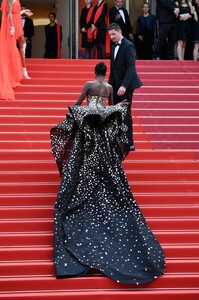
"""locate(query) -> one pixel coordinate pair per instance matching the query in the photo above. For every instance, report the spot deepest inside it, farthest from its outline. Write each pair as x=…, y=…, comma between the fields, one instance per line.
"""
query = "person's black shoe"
x=131, y=148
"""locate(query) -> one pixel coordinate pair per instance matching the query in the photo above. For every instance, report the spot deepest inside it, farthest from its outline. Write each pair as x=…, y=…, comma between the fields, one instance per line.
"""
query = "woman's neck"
x=100, y=78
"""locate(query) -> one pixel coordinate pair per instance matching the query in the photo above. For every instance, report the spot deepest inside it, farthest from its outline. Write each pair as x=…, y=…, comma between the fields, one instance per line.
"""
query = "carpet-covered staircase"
x=163, y=173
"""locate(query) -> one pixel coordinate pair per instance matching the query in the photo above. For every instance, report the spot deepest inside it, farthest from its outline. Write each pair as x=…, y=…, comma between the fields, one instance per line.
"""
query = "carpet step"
x=146, y=81
x=40, y=144
x=128, y=165
x=78, y=88
x=45, y=253
x=43, y=199
x=137, y=105
x=146, y=121
x=18, y=269
x=46, y=154
x=148, y=211
x=166, y=128
x=73, y=69
x=84, y=283
x=34, y=239
x=38, y=225
x=36, y=111
x=138, y=136
x=169, y=120
x=45, y=176
x=132, y=294
x=144, y=105
x=137, y=187
x=74, y=95
x=45, y=136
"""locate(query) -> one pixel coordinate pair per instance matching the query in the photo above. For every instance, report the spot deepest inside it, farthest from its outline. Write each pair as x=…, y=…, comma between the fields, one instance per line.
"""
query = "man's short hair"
x=114, y=26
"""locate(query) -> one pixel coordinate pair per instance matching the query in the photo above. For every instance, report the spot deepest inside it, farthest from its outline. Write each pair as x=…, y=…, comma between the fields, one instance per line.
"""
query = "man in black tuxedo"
x=123, y=76
x=119, y=15
x=166, y=13
x=28, y=27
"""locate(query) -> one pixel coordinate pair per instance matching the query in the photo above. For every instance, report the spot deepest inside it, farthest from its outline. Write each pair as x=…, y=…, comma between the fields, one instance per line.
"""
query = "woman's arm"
x=12, y=29
x=83, y=94
x=110, y=98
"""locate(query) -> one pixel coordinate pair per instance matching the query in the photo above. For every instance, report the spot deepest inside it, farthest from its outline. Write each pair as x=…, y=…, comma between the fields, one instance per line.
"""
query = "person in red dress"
x=12, y=61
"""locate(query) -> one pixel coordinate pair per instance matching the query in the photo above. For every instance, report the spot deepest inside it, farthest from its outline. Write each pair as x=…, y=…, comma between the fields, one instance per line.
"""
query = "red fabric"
x=10, y=60
x=96, y=17
x=58, y=41
x=88, y=18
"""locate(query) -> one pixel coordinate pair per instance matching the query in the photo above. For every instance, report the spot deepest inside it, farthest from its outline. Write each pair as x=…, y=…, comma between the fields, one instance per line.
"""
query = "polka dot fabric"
x=97, y=222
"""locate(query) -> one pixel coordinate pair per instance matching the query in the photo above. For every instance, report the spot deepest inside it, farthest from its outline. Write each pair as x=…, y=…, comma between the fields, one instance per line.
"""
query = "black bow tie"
x=117, y=44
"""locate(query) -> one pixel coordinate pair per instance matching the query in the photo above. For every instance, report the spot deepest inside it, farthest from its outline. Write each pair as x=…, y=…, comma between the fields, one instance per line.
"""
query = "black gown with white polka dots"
x=97, y=222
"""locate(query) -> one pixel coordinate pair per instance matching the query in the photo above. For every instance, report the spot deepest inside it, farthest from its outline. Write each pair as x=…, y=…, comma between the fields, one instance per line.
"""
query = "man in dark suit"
x=166, y=13
x=119, y=15
x=123, y=76
x=28, y=27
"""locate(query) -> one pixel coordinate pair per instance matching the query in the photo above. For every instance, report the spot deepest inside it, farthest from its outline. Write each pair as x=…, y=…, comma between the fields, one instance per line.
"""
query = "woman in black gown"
x=98, y=224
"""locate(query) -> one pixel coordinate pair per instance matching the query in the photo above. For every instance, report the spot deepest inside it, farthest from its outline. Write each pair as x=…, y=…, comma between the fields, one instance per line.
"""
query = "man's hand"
x=176, y=11
x=121, y=91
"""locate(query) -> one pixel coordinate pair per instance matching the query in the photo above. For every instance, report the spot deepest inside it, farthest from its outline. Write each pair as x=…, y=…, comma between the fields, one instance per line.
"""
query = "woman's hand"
x=12, y=30
x=124, y=103
x=26, y=12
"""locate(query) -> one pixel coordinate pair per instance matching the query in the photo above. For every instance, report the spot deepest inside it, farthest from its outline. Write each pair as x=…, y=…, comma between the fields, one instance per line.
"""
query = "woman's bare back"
x=99, y=88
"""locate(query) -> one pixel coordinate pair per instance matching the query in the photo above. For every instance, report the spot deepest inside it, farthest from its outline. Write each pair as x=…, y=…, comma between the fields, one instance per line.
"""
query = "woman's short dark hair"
x=52, y=13
x=100, y=69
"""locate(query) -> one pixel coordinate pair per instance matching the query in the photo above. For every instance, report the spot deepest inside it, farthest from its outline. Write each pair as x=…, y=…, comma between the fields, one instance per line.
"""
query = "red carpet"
x=163, y=174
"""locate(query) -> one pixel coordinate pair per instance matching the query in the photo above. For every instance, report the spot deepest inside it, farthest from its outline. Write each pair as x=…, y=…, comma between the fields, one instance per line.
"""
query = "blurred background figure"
x=146, y=32
x=183, y=27
x=196, y=29
x=119, y=15
x=85, y=18
x=98, y=29
x=28, y=27
x=53, y=33
x=166, y=13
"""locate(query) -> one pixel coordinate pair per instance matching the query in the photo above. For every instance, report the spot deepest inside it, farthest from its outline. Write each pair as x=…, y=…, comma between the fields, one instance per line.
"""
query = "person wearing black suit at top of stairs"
x=166, y=14
x=118, y=14
x=28, y=27
x=123, y=75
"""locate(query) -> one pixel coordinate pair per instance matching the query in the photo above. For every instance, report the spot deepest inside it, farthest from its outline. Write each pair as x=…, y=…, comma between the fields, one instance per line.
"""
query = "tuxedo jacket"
x=165, y=11
x=28, y=28
x=126, y=27
x=123, y=69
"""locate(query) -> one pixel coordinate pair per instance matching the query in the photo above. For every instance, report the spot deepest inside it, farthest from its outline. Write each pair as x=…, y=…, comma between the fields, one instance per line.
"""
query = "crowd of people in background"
x=172, y=34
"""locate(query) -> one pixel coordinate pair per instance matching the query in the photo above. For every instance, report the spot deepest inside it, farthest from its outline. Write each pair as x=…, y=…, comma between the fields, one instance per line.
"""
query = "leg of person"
x=101, y=50
x=22, y=49
x=163, y=31
x=183, y=49
x=150, y=42
x=87, y=52
x=28, y=49
x=91, y=52
x=195, y=51
x=180, y=50
x=171, y=41
x=128, y=120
